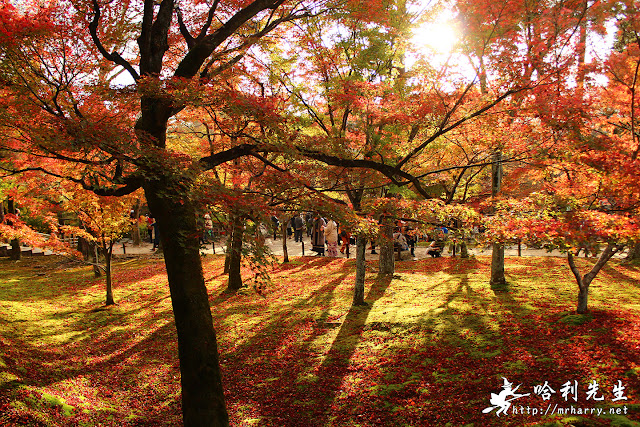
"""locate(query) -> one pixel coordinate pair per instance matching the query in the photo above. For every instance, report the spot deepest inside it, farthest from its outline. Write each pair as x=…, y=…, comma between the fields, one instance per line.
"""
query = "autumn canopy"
x=525, y=127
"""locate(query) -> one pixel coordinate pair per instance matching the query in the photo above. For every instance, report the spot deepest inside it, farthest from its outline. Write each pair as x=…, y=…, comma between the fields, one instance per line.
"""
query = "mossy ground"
x=429, y=349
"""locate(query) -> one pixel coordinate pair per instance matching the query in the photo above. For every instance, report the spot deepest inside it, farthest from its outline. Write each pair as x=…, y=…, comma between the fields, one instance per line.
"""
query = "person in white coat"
x=331, y=235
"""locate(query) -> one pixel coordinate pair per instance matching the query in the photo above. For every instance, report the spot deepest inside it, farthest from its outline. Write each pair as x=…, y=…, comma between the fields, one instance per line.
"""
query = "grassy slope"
x=431, y=347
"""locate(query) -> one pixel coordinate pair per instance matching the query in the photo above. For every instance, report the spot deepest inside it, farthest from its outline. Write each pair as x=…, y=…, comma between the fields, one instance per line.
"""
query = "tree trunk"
x=107, y=257
x=361, y=269
x=84, y=248
x=135, y=229
x=16, y=252
x=584, y=281
x=227, y=257
x=202, y=394
x=235, y=254
x=464, y=251
x=97, y=272
x=386, y=262
x=583, y=296
x=498, y=281
x=285, y=251
x=634, y=252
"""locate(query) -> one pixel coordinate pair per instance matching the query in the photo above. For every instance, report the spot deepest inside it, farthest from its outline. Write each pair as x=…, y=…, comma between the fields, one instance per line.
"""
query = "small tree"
x=105, y=221
x=553, y=223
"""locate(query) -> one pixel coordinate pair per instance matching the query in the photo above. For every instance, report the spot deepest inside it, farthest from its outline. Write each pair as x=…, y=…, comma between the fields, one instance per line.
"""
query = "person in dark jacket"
x=317, y=235
x=298, y=227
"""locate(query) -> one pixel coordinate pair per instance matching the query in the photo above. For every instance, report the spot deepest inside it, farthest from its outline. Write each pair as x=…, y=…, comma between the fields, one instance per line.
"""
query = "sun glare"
x=438, y=37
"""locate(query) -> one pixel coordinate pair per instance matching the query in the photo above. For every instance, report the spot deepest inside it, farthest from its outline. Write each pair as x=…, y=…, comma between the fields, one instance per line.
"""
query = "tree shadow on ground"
x=335, y=365
x=128, y=369
x=48, y=279
x=298, y=384
x=124, y=350
x=614, y=271
x=302, y=263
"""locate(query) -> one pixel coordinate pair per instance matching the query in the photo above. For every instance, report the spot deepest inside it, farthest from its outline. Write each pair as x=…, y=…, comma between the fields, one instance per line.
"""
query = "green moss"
x=621, y=421
x=51, y=400
x=633, y=372
x=515, y=366
x=576, y=319
x=480, y=354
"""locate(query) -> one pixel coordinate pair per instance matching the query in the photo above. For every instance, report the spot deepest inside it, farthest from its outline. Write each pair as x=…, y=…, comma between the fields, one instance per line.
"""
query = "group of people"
x=405, y=238
x=327, y=231
x=324, y=233
x=327, y=237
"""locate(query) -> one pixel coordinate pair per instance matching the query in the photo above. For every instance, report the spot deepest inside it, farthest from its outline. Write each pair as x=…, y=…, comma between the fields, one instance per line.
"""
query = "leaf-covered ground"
x=429, y=349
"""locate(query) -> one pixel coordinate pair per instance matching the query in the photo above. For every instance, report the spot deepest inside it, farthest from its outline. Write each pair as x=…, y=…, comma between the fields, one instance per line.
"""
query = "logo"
x=503, y=399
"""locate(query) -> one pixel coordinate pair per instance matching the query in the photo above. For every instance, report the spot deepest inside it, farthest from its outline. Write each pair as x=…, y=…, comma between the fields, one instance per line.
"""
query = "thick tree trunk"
x=498, y=281
x=16, y=251
x=235, y=254
x=202, y=394
x=361, y=269
x=464, y=251
x=386, y=262
x=84, y=248
x=285, y=251
x=107, y=256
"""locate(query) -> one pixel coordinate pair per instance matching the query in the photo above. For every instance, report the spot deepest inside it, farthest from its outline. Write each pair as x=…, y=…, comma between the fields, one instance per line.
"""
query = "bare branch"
x=184, y=30
x=207, y=25
x=113, y=56
x=443, y=129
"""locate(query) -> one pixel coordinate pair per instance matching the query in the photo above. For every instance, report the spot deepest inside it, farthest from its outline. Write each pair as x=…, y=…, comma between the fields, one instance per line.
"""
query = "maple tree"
x=60, y=110
x=591, y=167
x=342, y=95
x=103, y=222
x=619, y=104
x=569, y=225
x=62, y=104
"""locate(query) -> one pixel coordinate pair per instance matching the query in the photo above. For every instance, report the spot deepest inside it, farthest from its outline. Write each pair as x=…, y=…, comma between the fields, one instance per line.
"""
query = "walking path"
x=295, y=249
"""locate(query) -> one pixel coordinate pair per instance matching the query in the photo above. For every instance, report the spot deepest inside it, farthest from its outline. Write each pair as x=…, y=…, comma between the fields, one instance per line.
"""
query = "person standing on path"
x=208, y=229
x=317, y=234
x=298, y=227
x=345, y=236
x=156, y=235
x=331, y=236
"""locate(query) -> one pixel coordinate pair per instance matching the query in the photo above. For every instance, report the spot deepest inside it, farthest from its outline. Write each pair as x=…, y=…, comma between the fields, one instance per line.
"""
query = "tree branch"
x=188, y=38
x=390, y=172
x=205, y=46
x=443, y=130
x=130, y=184
x=114, y=56
x=209, y=162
